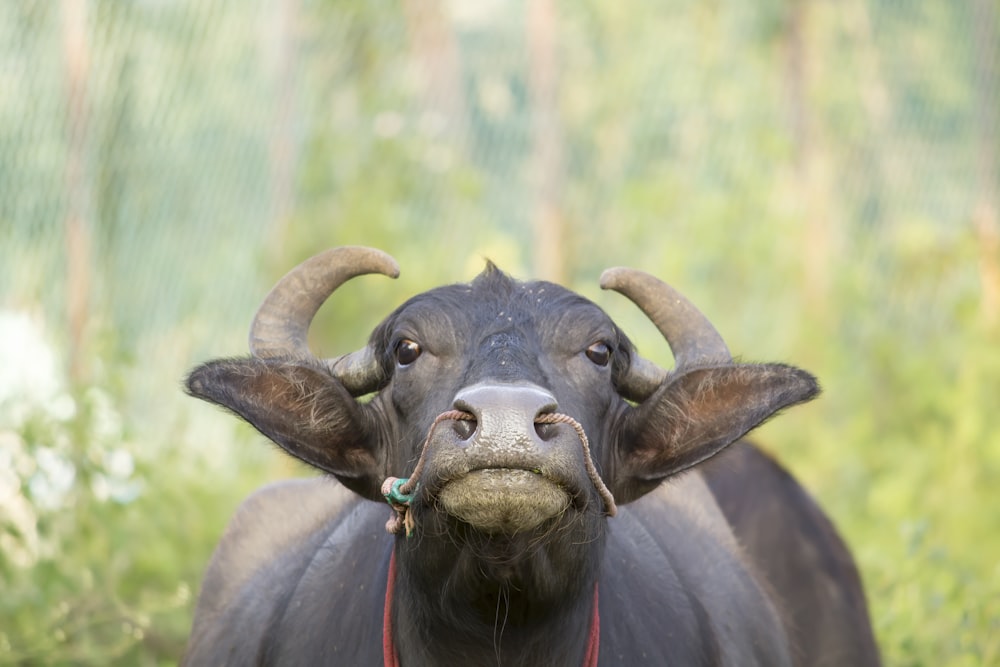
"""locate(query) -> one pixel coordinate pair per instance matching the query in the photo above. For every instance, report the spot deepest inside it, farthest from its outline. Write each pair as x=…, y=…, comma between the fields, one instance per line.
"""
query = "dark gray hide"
x=511, y=532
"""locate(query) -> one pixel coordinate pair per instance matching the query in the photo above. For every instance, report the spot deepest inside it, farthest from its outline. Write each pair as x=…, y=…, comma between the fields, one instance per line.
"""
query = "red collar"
x=389, y=647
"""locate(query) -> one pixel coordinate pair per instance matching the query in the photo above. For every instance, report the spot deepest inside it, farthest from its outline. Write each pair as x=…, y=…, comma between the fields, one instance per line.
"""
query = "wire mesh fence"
x=822, y=177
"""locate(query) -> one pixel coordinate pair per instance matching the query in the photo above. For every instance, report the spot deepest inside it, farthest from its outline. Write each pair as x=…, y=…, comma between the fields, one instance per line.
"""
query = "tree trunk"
x=810, y=183
x=77, y=226
x=987, y=103
x=548, y=169
x=283, y=146
x=435, y=49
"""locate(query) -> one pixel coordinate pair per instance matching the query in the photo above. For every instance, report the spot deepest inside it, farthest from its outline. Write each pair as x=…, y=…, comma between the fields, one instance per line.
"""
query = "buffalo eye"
x=599, y=353
x=407, y=352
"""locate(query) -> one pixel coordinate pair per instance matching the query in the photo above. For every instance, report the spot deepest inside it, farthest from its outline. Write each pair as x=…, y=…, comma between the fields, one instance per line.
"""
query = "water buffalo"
x=556, y=499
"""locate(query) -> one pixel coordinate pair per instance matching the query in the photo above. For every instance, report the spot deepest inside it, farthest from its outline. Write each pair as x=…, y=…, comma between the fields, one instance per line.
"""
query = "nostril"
x=464, y=428
x=546, y=431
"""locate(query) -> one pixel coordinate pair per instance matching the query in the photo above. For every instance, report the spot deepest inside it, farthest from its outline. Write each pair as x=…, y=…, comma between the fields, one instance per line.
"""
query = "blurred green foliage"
x=813, y=175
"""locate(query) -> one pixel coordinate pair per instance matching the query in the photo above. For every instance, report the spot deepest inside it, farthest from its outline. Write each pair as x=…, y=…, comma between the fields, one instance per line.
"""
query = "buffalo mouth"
x=504, y=500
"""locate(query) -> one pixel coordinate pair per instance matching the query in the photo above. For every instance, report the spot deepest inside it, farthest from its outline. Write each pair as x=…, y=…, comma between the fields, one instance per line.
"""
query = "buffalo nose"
x=505, y=414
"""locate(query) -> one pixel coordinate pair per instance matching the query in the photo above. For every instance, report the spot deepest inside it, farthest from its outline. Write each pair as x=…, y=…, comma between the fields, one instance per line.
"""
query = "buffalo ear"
x=698, y=413
x=303, y=409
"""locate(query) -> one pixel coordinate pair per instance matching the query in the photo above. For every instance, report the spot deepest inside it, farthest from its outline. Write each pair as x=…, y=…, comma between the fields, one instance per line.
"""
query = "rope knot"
x=392, y=489
x=399, y=499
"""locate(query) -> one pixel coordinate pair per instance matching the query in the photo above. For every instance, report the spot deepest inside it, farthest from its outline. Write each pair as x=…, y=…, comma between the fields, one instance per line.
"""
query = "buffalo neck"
x=512, y=601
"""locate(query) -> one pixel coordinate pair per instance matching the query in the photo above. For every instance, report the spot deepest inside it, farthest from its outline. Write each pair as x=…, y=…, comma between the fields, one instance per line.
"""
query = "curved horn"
x=692, y=338
x=281, y=326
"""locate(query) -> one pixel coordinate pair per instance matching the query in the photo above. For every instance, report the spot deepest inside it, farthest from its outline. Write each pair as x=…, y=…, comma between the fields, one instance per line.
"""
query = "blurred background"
x=820, y=177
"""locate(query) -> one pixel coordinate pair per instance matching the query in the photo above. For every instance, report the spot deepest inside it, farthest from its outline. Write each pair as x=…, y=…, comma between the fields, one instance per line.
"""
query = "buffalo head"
x=544, y=417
